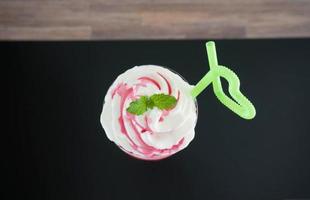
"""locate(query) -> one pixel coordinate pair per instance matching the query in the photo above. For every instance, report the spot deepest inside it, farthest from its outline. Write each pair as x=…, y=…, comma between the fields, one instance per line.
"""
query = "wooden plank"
x=45, y=33
x=149, y=19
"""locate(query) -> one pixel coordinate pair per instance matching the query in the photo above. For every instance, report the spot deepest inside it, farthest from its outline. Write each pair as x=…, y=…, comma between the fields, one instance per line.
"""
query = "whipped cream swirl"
x=156, y=134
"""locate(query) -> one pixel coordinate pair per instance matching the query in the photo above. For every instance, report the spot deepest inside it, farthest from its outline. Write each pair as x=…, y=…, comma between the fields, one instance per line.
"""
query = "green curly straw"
x=239, y=104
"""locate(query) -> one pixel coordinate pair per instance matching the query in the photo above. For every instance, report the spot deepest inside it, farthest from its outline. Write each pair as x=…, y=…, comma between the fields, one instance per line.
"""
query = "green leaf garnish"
x=150, y=103
x=161, y=101
x=139, y=106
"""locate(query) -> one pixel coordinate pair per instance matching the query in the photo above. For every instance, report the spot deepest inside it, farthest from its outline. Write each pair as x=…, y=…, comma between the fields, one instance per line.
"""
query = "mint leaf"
x=150, y=103
x=139, y=106
x=163, y=101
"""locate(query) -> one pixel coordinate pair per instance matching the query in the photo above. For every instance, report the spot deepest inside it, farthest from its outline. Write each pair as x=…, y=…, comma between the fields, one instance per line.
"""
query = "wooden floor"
x=152, y=19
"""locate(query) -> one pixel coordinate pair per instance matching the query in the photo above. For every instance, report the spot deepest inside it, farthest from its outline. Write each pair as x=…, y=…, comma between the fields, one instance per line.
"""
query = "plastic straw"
x=239, y=104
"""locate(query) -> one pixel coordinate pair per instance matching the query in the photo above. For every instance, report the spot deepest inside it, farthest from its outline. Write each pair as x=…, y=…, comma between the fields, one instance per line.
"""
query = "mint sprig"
x=139, y=106
x=161, y=101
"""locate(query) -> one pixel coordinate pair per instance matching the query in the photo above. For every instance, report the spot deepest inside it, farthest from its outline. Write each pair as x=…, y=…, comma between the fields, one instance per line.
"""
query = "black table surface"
x=57, y=148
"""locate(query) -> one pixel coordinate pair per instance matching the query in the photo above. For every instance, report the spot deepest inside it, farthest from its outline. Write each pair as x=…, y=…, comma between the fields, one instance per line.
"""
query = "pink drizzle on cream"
x=153, y=135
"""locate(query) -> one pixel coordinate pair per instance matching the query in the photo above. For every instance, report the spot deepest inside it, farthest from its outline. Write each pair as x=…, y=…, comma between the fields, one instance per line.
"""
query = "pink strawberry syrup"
x=128, y=93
